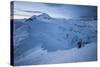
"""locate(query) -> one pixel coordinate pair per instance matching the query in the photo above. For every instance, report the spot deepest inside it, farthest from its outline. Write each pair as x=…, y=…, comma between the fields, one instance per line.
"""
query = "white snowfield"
x=45, y=40
x=41, y=56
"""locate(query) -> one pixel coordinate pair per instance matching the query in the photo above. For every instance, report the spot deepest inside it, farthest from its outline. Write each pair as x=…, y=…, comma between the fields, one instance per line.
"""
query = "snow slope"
x=40, y=56
x=41, y=37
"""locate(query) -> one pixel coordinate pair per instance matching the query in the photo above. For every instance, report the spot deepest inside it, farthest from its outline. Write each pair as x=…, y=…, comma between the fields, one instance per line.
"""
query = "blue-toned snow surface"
x=42, y=39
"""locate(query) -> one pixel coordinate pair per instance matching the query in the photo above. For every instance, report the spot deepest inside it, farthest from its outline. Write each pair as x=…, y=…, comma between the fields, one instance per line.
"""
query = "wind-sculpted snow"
x=41, y=56
x=43, y=39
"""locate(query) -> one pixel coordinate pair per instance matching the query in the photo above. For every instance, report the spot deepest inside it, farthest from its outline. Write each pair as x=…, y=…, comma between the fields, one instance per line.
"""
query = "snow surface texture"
x=45, y=40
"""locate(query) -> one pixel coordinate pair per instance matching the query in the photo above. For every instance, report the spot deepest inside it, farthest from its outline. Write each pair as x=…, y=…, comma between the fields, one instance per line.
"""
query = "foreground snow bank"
x=40, y=56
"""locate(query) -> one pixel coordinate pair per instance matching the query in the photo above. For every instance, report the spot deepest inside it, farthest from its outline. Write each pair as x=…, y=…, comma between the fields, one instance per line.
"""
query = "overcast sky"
x=28, y=9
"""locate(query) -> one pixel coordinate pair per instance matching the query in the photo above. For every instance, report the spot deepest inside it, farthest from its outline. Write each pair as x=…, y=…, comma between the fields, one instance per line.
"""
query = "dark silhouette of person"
x=79, y=44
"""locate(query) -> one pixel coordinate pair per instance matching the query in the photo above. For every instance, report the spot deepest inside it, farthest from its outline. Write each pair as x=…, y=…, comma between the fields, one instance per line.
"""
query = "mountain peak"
x=41, y=16
x=44, y=15
x=33, y=17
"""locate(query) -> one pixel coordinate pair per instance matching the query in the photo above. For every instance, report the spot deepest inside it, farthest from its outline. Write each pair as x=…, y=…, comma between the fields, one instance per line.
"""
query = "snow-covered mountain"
x=52, y=34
